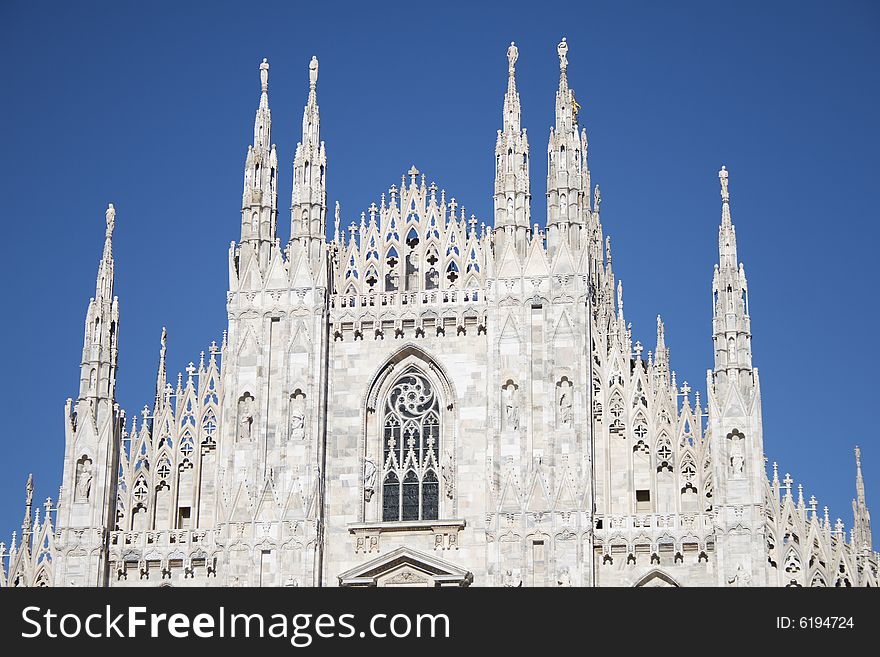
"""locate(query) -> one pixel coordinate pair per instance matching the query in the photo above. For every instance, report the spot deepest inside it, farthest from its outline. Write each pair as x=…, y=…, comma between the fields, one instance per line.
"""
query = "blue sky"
x=150, y=106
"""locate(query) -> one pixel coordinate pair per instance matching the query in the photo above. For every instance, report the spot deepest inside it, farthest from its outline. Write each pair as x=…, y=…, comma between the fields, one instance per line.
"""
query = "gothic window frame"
x=434, y=468
x=411, y=443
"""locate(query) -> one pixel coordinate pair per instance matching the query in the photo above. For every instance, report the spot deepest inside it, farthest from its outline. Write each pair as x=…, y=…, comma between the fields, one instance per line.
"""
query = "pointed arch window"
x=411, y=442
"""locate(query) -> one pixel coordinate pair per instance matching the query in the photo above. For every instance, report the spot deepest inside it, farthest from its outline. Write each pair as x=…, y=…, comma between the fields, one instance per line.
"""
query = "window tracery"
x=410, y=442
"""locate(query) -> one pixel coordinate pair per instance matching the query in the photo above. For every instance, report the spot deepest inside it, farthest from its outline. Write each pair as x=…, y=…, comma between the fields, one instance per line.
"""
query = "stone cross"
x=787, y=481
x=190, y=369
x=638, y=348
x=685, y=389
x=413, y=174
x=213, y=348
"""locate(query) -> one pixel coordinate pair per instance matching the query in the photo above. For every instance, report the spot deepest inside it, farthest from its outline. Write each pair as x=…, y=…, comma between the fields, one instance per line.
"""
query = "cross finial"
x=638, y=348
x=213, y=348
x=512, y=56
x=146, y=411
x=413, y=173
x=722, y=176
x=787, y=481
x=685, y=389
x=48, y=505
x=813, y=503
x=190, y=369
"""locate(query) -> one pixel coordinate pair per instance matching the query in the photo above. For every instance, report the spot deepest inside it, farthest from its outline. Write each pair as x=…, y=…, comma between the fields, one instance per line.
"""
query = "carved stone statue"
x=245, y=417
x=509, y=581
x=562, y=50
x=512, y=56
x=563, y=403
x=740, y=578
x=737, y=457
x=511, y=410
x=370, y=472
x=297, y=418
x=564, y=578
x=84, y=482
x=447, y=469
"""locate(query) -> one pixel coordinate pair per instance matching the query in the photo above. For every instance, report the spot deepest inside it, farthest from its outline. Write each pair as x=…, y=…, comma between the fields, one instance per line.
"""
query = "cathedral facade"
x=423, y=400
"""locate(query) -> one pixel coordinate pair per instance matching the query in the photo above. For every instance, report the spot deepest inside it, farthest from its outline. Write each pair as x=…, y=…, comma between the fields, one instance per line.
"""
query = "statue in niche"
x=511, y=410
x=392, y=281
x=412, y=272
x=509, y=581
x=740, y=578
x=83, y=488
x=564, y=578
x=432, y=279
x=447, y=469
x=563, y=403
x=245, y=417
x=370, y=472
x=737, y=457
x=297, y=416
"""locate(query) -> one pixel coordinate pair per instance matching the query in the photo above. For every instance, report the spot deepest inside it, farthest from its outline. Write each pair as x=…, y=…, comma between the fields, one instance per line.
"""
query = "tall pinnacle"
x=259, y=195
x=862, y=518
x=727, y=232
x=308, y=205
x=511, y=98
x=860, y=482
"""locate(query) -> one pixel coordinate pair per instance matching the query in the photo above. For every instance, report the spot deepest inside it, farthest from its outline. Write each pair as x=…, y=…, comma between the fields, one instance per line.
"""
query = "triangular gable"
x=410, y=567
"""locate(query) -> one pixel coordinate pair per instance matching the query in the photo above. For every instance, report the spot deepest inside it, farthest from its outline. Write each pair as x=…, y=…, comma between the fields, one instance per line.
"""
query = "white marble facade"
x=425, y=400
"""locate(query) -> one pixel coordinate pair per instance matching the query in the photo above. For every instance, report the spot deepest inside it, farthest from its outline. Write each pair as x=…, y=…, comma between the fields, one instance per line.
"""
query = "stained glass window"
x=411, y=442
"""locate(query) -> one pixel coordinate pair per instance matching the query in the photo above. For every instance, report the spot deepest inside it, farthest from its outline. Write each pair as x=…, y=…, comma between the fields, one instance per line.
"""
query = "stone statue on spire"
x=313, y=72
x=512, y=56
x=110, y=215
x=562, y=49
x=264, y=75
x=722, y=176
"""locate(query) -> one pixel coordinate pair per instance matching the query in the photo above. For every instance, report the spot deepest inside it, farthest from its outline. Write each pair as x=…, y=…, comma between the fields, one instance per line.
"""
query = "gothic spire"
x=260, y=197
x=511, y=97
x=731, y=323
x=512, y=187
x=161, y=377
x=309, y=199
x=98, y=367
x=861, y=517
x=568, y=175
x=28, y=503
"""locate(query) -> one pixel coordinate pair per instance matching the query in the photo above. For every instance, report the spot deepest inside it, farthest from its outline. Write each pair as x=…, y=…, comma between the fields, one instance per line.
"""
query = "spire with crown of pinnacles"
x=308, y=208
x=568, y=175
x=93, y=425
x=512, y=187
x=734, y=408
x=259, y=205
x=862, y=519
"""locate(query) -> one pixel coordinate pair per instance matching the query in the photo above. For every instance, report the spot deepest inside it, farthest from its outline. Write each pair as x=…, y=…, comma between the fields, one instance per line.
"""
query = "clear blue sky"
x=150, y=106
